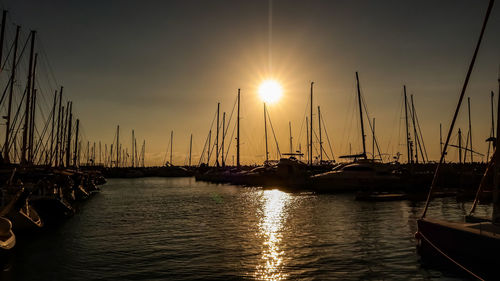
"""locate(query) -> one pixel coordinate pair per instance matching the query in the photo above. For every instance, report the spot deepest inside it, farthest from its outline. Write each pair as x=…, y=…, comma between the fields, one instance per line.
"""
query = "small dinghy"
x=7, y=238
x=380, y=196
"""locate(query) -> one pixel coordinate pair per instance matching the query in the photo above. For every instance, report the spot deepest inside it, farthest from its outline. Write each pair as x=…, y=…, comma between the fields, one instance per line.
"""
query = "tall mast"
x=28, y=98
x=408, y=148
x=2, y=37
x=171, y=145
x=223, y=135
x=63, y=134
x=88, y=153
x=52, y=129
x=31, y=126
x=311, y=128
x=415, y=135
x=68, y=144
x=496, y=180
x=217, y=138
x=373, y=141
x=143, y=152
x=265, y=133
x=133, y=148
x=33, y=111
x=101, y=154
x=307, y=138
x=11, y=89
x=117, y=145
x=470, y=133
x=209, y=148
x=320, y=140
x=440, y=138
x=75, y=158
x=361, y=116
x=492, y=127
x=190, y=148
x=238, y=133
x=58, y=133
x=135, y=153
x=291, y=144
x=459, y=145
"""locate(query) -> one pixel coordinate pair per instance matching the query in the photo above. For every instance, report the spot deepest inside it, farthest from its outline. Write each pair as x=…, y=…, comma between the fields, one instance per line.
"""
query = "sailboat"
x=471, y=246
x=7, y=238
x=362, y=174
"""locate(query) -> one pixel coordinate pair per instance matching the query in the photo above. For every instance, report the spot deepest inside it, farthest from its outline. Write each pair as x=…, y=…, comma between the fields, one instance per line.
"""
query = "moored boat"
x=7, y=238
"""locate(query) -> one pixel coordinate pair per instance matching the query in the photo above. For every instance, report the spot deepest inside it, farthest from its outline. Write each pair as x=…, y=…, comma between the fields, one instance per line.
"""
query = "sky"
x=158, y=66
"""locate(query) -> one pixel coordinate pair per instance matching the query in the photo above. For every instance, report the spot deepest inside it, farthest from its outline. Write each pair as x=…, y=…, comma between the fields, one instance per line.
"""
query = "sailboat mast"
x=495, y=218
x=217, y=138
x=470, y=132
x=320, y=140
x=291, y=144
x=52, y=129
x=11, y=89
x=373, y=141
x=28, y=99
x=307, y=138
x=238, y=133
x=459, y=146
x=133, y=148
x=31, y=126
x=492, y=126
x=68, y=144
x=76, y=143
x=171, y=145
x=209, y=148
x=440, y=138
x=58, y=133
x=408, y=147
x=100, y=153
x=143, y=152
x=223, y=135
x=265, y=133
x=415, y=135
x=311, y=128
x=190, y=148
x=117, y=145
x=361, y=116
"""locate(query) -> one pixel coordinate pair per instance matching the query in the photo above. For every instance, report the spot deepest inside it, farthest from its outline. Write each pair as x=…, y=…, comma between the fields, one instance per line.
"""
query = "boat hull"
x=26, y=220
x=52, y=210
x=474, y=246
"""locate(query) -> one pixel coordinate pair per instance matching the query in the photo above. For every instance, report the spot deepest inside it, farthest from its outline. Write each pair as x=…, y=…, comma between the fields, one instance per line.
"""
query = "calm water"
x=180, y=229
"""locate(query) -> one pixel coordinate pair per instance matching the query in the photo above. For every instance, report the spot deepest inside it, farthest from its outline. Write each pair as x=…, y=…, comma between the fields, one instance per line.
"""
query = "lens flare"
x=270, y=91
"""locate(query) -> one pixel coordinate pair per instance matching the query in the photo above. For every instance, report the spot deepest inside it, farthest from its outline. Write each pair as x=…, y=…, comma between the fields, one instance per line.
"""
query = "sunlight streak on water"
x=270, y=226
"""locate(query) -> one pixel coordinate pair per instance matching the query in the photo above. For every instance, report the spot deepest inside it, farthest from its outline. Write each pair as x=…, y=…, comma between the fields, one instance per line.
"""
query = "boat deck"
x=481, y=228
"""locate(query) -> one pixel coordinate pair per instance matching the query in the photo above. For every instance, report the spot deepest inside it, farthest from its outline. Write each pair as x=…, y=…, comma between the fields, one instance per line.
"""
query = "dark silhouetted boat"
x=7, y=238
x=469, y=246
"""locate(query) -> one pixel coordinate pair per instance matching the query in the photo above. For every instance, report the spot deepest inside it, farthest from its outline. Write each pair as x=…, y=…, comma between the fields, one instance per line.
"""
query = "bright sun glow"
x=270, y=91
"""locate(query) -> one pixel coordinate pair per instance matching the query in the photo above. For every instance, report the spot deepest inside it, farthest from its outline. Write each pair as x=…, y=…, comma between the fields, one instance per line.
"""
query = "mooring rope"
x=449, y=258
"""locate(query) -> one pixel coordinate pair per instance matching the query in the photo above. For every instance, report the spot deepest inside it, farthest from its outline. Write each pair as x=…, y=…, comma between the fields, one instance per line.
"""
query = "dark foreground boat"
x=470, y=247
x=473, y=247
x=23, y=216
x=7, y=238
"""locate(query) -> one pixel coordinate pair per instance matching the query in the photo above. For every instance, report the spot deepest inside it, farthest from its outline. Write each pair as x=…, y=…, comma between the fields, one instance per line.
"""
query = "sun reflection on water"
x=270, y=229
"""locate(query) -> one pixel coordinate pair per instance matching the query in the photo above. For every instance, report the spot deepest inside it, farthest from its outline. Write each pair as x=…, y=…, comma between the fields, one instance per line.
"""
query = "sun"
x=270, y=91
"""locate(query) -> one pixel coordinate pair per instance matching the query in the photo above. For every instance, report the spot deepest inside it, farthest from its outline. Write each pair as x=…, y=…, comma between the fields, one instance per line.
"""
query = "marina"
x=167, y=158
